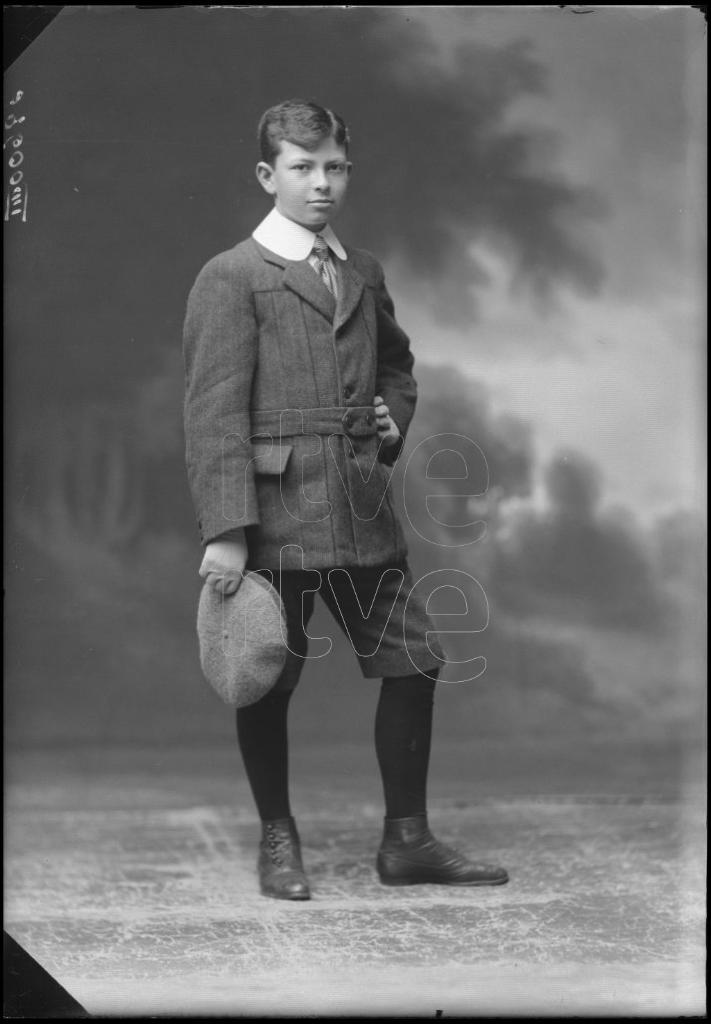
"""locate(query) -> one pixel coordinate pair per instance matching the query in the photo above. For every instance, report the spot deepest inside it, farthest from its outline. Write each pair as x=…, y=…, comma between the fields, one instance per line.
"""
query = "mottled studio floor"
x=130, y=877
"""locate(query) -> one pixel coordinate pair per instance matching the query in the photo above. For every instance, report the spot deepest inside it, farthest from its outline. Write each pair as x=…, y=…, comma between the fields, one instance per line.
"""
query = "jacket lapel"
x=303, y=279
x=350, y=292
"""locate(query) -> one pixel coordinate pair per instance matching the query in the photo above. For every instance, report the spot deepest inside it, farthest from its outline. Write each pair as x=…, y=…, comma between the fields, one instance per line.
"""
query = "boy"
x=299, y=393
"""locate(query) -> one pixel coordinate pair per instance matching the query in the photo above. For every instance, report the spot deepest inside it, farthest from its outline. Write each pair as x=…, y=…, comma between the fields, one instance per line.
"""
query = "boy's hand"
x=223, y=564
x=388, y=430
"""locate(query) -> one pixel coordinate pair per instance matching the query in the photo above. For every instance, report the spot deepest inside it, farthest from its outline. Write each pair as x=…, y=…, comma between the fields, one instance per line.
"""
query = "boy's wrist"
x=235, y=535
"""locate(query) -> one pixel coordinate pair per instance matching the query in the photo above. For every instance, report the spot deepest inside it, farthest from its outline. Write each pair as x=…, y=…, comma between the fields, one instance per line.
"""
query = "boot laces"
x=279, y=844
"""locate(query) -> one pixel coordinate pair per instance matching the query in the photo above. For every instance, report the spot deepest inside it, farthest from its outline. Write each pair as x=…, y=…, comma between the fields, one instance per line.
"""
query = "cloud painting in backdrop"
x=531, y=180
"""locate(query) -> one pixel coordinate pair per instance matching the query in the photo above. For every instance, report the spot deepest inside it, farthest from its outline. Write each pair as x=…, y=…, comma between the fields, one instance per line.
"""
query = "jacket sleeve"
x=220, y=349
x=394, y=380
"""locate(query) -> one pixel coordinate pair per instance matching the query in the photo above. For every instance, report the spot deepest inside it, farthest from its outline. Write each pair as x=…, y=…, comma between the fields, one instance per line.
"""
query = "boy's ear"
x=265, y=177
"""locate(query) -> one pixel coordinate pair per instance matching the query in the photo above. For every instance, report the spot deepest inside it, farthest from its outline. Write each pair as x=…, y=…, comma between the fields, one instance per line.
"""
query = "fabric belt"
x=354, y=420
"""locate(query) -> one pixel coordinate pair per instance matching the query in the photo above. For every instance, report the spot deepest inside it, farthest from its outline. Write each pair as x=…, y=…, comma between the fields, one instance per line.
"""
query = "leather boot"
x=409, y=854
x=281, y=873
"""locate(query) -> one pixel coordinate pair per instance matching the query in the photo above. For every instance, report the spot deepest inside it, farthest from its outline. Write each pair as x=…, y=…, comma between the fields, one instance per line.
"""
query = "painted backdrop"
x=531, y=180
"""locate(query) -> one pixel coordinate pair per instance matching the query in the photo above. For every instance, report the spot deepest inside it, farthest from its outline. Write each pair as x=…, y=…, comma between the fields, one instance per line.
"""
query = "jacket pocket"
x=270, y=457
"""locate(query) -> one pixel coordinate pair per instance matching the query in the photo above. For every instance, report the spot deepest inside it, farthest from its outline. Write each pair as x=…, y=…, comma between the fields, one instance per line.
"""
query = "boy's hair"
x=302, y=123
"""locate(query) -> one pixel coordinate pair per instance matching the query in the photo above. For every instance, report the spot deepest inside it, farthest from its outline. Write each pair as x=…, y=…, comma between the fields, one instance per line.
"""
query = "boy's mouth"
x=320, y=202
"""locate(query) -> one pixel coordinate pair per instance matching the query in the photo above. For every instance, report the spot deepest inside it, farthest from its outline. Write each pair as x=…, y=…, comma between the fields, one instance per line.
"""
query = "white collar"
x=290, y=240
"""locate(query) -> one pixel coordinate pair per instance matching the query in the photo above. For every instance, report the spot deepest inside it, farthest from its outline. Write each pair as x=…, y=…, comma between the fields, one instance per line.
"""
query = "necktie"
x=324, y=267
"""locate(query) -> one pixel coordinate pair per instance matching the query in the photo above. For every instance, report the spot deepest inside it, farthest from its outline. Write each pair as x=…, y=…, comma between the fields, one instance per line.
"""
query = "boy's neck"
x=276, y=232
x=307, y=227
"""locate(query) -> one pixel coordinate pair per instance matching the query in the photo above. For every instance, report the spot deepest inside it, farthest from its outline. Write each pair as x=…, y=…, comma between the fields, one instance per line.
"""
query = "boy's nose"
x=320, y=180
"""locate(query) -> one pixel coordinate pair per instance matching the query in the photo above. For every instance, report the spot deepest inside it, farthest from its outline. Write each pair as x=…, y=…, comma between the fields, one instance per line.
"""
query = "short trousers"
x=378, y=608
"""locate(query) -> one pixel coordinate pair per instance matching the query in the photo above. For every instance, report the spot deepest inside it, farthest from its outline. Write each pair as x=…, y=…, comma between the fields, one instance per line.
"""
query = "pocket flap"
x=270, y=457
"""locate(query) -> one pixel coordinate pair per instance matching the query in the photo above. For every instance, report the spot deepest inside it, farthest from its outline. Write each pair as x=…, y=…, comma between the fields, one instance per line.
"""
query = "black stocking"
x=261, y=731
x=403, y=731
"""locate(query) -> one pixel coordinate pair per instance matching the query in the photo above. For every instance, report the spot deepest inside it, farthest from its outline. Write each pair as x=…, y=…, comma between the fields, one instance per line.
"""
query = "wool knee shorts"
x=379, y=609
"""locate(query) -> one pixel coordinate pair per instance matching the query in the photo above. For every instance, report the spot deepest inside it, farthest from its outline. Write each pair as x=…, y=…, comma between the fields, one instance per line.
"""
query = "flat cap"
x=242, y=639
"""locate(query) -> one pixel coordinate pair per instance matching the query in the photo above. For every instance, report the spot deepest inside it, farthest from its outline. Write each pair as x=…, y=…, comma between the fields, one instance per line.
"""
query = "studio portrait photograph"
x=355, y=530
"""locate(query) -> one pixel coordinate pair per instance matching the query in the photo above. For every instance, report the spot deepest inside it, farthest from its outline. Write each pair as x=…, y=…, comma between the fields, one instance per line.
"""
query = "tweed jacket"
x=280, y=429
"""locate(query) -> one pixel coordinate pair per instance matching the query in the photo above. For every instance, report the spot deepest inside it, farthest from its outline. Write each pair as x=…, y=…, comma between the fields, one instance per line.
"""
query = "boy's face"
x=308, y=185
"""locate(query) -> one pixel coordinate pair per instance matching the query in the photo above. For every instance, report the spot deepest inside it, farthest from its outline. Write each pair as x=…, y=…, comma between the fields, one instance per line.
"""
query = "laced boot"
x=409, y=854
x=281, y=873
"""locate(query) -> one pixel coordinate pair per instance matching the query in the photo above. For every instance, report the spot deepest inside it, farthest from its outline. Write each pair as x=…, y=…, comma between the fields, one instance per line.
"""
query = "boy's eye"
x=332, y=168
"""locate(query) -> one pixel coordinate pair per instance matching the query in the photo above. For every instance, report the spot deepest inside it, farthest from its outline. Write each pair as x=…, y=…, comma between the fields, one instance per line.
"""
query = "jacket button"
x=348, y=420
x=369, y=418
x=347, y=391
